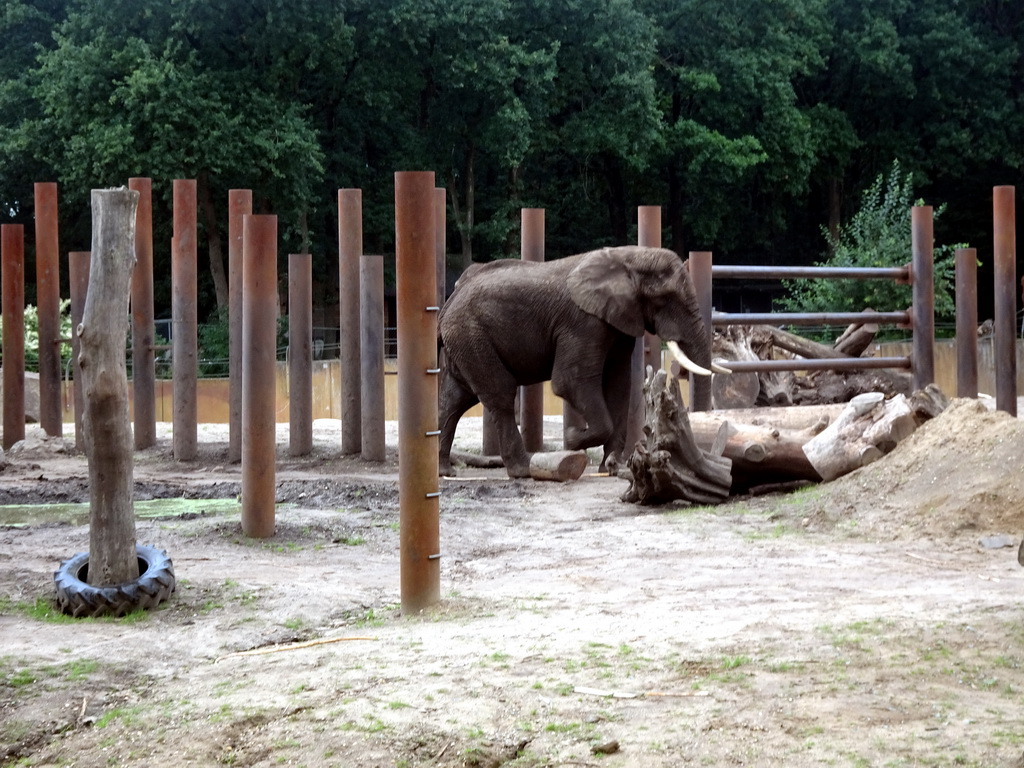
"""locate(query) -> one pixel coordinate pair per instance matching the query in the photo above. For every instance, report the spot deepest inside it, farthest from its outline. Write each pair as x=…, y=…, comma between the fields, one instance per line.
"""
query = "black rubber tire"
x=77, y=598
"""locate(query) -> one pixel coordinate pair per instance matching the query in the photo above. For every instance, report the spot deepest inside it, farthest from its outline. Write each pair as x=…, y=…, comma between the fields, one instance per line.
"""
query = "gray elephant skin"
x=572, y=321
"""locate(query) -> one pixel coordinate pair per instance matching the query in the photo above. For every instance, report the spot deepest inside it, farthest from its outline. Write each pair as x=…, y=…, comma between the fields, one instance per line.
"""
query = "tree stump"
x=106, y=426
x=667, y=464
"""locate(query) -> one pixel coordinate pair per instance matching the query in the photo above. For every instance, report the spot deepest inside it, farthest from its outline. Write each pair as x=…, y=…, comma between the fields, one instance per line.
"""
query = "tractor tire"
x=77, y=598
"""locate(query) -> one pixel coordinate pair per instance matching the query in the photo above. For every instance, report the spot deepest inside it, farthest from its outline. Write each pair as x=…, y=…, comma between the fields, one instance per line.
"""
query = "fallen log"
x=870, y=427
x=866, y=430
x=562, y=466
x=667, y=464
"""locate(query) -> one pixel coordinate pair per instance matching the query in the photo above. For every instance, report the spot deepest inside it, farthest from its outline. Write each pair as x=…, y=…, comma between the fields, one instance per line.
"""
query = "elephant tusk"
x=686, y=362
x=716, y=368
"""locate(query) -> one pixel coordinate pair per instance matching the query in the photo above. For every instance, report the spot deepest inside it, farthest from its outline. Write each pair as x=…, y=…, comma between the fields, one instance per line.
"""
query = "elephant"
x=572, y=321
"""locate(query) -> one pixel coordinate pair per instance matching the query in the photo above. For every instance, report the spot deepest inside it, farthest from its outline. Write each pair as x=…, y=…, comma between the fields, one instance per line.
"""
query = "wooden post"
x=350, y=248
x=12, y=255
x=143, y=329
x=531, y=397
x=300, y=354
x=48, y=306
x=185, y=322
x=418, y=494
x=106, y=423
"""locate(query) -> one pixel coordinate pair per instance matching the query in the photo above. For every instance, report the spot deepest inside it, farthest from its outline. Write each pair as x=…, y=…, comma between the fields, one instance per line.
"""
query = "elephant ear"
x=602, y=285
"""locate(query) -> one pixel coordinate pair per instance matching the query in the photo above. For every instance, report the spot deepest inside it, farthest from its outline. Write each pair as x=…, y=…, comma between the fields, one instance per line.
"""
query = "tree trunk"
x=106, y=426
x=216, y=249
x=463, y=215
x=667, y=464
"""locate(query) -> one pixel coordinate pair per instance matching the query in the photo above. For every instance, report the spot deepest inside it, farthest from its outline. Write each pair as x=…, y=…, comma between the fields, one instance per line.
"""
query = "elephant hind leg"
x=510, y=440
x=455, y=400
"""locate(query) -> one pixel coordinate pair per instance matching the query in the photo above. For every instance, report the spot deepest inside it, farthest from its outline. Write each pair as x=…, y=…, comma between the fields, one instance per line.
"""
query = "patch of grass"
x=294, y=624
x=128, y=715
x=352, y=541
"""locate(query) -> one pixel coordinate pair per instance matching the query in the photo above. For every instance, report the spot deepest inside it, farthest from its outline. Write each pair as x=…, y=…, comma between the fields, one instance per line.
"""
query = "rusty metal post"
x=700, y=272
x=12, y=258
x=184, y=322
x=48, y=308
x=143, y=327
x=417, y=391
x=259, y=359
x=371, y=348
x=966, y=322
x=1005, y=320
x=300, y=354
x=350, y=248
x=923, y=287
x=648, y=234
x=239, y=206
x=531, y=397
x=78, y=276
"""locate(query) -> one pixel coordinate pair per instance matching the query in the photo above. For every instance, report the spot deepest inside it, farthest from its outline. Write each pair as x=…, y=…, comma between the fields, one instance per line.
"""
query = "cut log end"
x=561, y=466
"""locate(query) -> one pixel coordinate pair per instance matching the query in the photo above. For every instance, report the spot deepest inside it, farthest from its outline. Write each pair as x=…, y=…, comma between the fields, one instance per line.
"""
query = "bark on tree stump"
x=107, y=430
x=667, y=464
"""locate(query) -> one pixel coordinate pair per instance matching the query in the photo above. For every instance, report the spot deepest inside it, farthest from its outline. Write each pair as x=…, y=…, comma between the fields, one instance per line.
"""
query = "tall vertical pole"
x=350, y=248
x=371, y=348
x=239, y=206
x=78, y=275
x=648, y=234
x=923, y=309
x=300, y=354
x=700, y=273
x=531, y=397
x=12, y=257
x=259, y=358
x=966, y=322
x=417, y=391
x=48, y=307
x=185, y=322
x=143, y=327
x=1005, y=320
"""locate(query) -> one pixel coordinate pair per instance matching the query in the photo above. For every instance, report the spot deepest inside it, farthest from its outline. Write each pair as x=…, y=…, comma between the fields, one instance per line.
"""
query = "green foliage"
x=751, y=123
x=878, y=235
x=214, y=345
x=31, y=320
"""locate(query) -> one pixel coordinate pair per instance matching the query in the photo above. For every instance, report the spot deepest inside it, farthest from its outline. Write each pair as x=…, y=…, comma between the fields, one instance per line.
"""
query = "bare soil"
x=877, y=620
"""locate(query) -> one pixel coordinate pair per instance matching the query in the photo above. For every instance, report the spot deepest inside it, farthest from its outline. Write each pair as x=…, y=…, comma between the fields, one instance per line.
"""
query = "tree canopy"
x=754, y=124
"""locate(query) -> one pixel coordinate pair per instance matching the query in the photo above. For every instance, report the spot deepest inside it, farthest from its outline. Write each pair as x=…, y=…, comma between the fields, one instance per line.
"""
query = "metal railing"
x=920, y=317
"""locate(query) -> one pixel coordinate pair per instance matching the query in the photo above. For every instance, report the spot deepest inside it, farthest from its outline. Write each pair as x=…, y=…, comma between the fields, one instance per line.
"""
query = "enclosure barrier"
x=920, y=318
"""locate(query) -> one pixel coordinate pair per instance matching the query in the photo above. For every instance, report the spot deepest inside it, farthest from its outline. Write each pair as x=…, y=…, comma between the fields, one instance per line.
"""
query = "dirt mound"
x=958, y=474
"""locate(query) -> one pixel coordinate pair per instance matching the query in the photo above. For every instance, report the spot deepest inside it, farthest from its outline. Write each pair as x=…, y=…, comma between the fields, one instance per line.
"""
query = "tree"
x=878, y=235
x=130, y=90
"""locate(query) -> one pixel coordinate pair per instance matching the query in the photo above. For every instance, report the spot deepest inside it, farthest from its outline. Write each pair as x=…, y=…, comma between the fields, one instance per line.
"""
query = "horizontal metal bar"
x=433, y=370
x=824, y=364
x=900, y=274
x=432, y=433
x=808, y=318
x=433, y=495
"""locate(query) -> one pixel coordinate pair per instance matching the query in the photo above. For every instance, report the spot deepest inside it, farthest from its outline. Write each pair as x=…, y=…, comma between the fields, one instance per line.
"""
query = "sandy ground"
x=874, y=621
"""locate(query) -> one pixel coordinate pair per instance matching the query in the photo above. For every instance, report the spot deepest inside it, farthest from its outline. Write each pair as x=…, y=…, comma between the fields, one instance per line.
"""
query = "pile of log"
x=830, y=422
x=747, y=390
